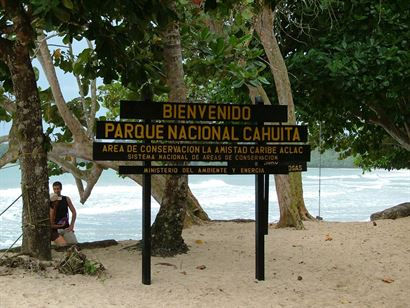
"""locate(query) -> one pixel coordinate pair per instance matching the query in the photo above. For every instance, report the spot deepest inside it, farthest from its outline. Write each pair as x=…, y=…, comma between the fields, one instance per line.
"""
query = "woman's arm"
x=73, y=214
x=53, y=218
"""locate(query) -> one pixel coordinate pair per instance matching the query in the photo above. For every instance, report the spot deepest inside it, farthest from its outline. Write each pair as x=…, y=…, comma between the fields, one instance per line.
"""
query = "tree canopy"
x=350, y=71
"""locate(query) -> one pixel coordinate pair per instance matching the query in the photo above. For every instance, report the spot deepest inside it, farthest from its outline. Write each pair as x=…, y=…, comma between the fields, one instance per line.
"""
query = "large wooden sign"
x=228, y=133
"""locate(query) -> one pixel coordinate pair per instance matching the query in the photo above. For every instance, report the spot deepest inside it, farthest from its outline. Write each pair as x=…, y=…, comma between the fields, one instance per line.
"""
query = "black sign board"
x=276, y=169
x=201, y=112
x=201, y=132
x=199, y=152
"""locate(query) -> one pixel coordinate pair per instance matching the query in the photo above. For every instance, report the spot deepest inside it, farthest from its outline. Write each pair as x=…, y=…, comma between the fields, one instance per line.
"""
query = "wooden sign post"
x=205, y=133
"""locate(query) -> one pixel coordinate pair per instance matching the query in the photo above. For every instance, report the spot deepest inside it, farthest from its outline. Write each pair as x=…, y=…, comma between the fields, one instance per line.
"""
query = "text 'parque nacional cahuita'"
x=202, y=132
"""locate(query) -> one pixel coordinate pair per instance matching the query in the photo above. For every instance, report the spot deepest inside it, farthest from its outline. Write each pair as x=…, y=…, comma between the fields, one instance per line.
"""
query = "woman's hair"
x=57, y=183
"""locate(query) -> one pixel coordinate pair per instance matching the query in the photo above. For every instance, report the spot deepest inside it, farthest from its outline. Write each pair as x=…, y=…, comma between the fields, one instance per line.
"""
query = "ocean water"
x=113, y=210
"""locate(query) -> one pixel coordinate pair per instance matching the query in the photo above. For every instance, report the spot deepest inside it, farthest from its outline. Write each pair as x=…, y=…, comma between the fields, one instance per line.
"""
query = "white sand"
x=346, y=271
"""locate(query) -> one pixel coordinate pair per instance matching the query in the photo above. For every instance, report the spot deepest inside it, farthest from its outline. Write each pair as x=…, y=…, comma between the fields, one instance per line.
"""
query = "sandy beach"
x=327, y=265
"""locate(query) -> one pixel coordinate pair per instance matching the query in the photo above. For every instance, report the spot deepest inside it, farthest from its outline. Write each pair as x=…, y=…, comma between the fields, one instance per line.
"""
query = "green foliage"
x=76, y=262
x=348, y=67
x=54, y=169
x=330, y=159
x=110, y=96
x=346, y=59
x=223, y=56
x=93, y=268
x=57, y=128
x=122, y=31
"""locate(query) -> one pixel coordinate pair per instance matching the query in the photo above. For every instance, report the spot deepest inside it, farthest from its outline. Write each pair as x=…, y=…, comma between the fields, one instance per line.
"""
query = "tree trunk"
x=195, y=215
x=288, y=187
x=296, y=183
x=33, y=156
x=295, y=178
x=167, y=230
x=289, y=216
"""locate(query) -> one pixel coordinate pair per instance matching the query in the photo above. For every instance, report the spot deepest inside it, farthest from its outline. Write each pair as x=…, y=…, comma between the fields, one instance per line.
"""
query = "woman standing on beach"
x=55, y=236
x=62, y=216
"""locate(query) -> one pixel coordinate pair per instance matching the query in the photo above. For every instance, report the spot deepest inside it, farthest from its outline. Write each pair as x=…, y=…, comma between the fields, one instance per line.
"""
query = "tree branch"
x=40, y=40
x=258, y=91
x=78, y=181
x=263, y=24
x=8, y=105
x=80, y=86
x=63, y=149
x=406, y=114
x=92, y=178
x=4, y=139
x=66, y=165
x=10, y=156
x=80, y=187
x=407, y=129
x=12, y=153
x=69, y=118
x=6, y=48
x=383, y=121
x=94, y=102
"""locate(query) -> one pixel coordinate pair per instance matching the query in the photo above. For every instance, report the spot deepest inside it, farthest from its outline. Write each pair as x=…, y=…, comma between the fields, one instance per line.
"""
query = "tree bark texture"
x=32, y=155
x=296, y=184
x=167, y=229
x=288, y=187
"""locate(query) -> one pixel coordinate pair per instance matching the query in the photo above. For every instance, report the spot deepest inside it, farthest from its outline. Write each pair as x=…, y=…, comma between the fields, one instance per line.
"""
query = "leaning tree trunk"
x=33, y=156
x=167, y=230
x=195, y=214
x=296, y=184
x=288, y=187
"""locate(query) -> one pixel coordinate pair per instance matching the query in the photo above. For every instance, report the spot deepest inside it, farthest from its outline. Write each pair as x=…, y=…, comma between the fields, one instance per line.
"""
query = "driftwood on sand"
x=88, y=245
x=84, y=245
x=398, y=211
